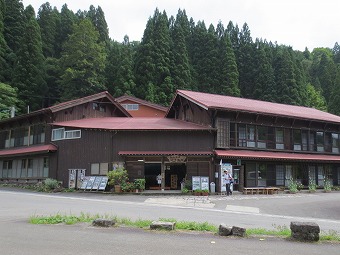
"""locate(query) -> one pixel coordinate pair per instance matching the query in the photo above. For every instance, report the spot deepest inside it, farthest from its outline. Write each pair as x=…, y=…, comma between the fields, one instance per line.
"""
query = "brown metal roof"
x=212, y=101
x=269, y=155
x=164, y=153
x=28, y=150
x=122, y=123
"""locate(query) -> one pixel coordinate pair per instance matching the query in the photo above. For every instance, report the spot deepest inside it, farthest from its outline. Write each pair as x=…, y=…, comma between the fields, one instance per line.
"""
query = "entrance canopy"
x=268, y=155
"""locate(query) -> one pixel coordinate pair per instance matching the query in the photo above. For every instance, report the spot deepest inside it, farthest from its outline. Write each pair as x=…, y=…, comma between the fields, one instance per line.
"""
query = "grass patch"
x=329, y=236
x=278, y=231
x=192, y=225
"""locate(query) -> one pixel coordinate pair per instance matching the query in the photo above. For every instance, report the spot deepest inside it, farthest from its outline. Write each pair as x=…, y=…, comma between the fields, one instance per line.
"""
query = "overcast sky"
x=298, y=23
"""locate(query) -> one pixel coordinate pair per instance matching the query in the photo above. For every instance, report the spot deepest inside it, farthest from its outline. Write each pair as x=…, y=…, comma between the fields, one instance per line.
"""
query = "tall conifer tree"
x=29, y=74
x=82, y=62
x=48, y=21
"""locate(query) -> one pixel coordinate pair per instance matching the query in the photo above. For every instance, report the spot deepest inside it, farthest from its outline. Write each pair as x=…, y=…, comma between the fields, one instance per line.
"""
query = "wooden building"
x=268, y=143
x=28, y=152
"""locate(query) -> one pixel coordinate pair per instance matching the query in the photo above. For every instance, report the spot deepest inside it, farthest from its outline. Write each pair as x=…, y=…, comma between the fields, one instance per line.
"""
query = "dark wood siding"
x=162, y=141
x=94, y=146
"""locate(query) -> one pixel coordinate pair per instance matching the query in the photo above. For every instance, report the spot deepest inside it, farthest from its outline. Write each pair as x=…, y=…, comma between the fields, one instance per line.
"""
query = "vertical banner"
x=229, y=168
x=72, y=178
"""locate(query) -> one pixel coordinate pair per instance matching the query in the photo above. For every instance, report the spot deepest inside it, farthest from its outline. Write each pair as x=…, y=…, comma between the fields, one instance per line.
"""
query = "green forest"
x=52, y=55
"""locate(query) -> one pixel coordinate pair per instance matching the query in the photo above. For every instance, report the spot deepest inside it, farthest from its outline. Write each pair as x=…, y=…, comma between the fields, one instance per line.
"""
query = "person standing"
x=227, y=179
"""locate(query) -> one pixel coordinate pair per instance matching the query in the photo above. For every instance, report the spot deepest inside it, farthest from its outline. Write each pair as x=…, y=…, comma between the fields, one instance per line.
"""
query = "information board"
x=103, y=183
x=196, y=182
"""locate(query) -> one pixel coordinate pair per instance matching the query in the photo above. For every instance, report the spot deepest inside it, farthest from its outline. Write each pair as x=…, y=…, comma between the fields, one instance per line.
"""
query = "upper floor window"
x=335, y=143
x=320, y=141
x=297, y=139
x=279, y=139
x=131, y=107
x=262, y=137
x=61, y=133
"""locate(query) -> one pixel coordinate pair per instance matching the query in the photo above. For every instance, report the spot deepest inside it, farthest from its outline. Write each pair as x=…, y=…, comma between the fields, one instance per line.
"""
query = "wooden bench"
x=260, y=190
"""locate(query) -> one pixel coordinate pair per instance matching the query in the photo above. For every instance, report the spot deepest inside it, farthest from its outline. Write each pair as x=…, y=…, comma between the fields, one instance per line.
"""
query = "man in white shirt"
x=227, y=179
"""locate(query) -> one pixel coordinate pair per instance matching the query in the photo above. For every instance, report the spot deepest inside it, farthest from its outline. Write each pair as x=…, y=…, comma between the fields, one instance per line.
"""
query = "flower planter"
x=118, y=189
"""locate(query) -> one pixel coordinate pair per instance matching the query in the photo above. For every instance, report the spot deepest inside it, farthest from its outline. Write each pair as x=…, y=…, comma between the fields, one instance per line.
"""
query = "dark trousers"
x=228, y=189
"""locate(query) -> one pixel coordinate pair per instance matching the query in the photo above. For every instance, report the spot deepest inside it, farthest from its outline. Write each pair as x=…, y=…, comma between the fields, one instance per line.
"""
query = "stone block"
x=224, y=230
x=103, y=223
x=163, y=225
x=237, y=231
x=305, y=231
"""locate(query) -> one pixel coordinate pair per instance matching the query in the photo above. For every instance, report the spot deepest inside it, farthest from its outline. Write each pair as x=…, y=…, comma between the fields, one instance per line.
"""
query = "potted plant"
x=205, y=192
x=117, y=178
x=139, y=184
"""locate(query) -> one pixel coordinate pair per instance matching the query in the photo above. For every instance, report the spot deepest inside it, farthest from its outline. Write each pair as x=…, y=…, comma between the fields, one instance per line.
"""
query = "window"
x=222, y=133
x=279, y=139
x=99, y=168
x=60, y=134
x=335, y=143
x=251, y=136
x=304, y=136
x=242, y=135
x=37, y=134
x=46, y=167
x=297, y=139
x=7, y=168
x=262, y=137
x=280, y=175
x=72, y=134
x=320, y=141
x=312, y=145
x=131, y=107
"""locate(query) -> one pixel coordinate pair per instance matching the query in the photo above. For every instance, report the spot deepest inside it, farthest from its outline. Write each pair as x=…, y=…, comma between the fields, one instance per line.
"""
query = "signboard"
x=204, y=182
x=84, y=183
x=97, y=182
x=76, y=178
x=90, y=183
x=200, y=182
x=196, y=182
x=72, y=178
x=177, y=159
x=103, y=183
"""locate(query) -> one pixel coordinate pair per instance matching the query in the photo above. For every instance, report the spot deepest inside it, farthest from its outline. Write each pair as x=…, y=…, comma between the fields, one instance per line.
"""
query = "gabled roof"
x=141, y=124
x=141, y=101
x=101, y=95
x=221, y=102
x=71, y=103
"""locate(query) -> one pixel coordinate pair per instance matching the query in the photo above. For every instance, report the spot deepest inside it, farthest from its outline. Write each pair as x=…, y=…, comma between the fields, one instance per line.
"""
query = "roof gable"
x=79, y=101
x=213, y=101
x=128, y=98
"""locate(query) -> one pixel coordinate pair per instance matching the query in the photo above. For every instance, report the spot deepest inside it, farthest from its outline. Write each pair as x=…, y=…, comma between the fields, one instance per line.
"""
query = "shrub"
x=139, y=184
x=51, y=184
x=312, y=185
x=118, y=176
x=292, y=186
x=327, y=185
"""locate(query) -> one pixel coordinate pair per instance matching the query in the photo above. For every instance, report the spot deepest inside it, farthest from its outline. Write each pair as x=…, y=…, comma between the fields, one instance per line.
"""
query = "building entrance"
x=174, y=174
